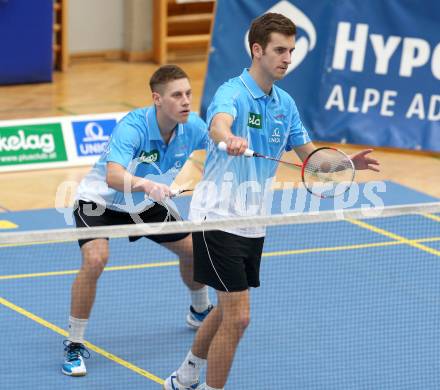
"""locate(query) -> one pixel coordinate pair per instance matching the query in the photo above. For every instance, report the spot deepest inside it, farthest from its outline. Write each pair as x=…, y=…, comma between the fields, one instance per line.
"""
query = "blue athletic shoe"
x=75, y=354
x=171, y=383
x=194, y=319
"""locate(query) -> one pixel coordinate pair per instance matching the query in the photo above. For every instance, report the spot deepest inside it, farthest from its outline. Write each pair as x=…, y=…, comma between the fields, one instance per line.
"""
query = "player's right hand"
x=157, y=191
x=236, y=146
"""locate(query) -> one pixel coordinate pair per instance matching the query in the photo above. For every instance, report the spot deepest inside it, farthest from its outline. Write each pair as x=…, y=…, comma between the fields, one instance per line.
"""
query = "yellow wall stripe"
x=89, y=345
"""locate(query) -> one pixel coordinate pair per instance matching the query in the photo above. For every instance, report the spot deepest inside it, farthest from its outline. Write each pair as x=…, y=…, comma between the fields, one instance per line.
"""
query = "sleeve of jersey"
x=224, y=101
x=201, y=135
x=298, y=135
x=124, y=143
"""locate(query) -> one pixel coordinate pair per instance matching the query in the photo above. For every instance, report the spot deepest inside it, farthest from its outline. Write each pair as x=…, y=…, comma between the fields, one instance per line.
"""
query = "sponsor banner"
x=32, y=144
x=56, y=142
x=91, y=137
x=361, y=73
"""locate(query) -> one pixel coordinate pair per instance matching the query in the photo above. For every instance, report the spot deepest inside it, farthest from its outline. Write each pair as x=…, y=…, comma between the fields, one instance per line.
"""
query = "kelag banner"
x=363, y=72
x=32, y=144
x=55, y=142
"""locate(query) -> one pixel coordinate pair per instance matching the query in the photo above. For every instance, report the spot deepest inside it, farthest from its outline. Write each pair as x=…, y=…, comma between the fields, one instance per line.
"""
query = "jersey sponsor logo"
x=275, y=138
x=149, y=157
x=304, y=43
x=254, y=120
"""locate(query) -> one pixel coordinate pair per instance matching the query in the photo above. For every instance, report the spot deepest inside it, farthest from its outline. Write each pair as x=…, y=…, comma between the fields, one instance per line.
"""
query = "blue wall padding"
x=26, y=34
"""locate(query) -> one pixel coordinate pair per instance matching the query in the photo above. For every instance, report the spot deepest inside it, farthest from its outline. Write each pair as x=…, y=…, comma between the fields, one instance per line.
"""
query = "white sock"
x=200, y=299
x=211, y=388
x=189, y=372
x=77, y=328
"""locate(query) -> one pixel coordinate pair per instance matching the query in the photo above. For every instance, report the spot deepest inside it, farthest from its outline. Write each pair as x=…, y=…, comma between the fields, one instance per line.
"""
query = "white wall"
x=95, y=25
x=138, y=25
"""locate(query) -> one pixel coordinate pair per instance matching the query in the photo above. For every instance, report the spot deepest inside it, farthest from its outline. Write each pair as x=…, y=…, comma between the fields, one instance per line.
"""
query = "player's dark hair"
x=164, y=75
x=264, y=25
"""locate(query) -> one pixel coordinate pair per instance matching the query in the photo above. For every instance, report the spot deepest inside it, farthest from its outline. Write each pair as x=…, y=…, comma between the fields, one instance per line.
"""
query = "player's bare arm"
x=122, y=180
x=220, y=130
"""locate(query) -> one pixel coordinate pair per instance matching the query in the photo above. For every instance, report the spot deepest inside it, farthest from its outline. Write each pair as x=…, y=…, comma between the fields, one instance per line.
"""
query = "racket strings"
x=329, y=172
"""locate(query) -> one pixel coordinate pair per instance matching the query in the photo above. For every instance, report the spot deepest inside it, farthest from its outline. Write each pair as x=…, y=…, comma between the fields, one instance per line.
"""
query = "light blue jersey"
x=137, y=145
x=236, y=186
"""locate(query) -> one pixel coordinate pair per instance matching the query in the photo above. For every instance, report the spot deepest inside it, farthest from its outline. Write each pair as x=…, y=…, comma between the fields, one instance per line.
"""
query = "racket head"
x=328, y=172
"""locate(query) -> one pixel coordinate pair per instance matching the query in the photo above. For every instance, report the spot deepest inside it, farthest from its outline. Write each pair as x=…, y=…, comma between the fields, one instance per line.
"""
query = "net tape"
x=73, y=234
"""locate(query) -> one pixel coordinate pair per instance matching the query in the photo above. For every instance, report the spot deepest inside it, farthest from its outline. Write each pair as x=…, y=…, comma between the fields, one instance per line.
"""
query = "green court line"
x=20, y=110
x=265, y=254
x=89, y=345
x=96, y=103
x=129, y=105
x=66, y=111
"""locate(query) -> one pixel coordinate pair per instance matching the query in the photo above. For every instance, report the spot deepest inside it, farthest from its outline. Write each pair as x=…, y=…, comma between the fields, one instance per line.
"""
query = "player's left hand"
x=361, y=160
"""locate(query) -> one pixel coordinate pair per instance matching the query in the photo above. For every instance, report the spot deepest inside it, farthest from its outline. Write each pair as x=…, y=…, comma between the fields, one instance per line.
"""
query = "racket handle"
x=223, y=147
x=175, y=193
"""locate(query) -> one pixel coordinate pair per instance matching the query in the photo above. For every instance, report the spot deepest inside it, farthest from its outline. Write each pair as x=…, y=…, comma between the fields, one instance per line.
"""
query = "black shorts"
x=108, y=217
x=225, y=261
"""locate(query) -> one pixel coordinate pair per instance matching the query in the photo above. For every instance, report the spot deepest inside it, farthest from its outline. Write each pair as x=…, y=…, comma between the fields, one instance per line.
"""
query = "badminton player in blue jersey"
x=145, y=153
x=247, y=111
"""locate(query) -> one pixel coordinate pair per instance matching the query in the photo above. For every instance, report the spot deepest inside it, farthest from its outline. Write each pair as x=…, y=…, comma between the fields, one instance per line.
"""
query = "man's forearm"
x=220, y=132
x=120, y=179
x=220, y=129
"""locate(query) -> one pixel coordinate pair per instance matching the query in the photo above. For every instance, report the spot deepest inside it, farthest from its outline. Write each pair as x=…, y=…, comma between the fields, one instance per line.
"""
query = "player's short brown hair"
x=264, y=25
x=164, y=75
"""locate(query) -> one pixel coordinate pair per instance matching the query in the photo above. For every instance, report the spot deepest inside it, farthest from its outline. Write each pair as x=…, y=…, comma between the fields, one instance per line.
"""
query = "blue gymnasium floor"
x=341, y=307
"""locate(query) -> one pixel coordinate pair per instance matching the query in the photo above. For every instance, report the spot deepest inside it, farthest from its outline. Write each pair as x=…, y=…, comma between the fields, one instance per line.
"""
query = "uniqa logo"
x=43, y=142
x=94, y=132
x=304, y=44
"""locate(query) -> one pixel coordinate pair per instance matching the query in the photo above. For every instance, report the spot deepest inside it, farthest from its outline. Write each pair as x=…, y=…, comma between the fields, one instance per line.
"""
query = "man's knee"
x=243, y=321
x=95, y=258
x=183, y=249
x=94, y=265
x=238, y=322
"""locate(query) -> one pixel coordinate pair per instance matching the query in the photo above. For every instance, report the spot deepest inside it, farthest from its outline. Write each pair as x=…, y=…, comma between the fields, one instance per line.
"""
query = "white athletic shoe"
x=171, y=383
x=194, y=319
x=75, y=354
